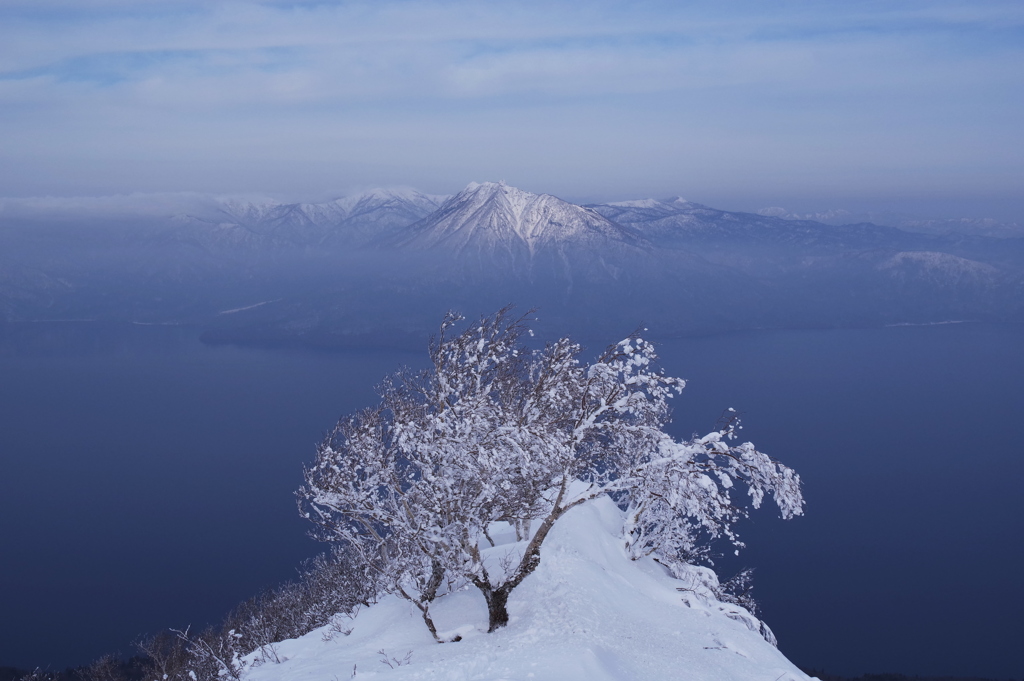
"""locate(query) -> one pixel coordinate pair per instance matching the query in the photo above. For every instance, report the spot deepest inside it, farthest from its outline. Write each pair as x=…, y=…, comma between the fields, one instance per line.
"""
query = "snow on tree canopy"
x=497, y=435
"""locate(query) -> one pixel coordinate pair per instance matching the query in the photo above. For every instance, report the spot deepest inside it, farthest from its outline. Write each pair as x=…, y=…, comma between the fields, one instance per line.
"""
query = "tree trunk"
x=427, y=596
x=497, y=598
x=497, y=608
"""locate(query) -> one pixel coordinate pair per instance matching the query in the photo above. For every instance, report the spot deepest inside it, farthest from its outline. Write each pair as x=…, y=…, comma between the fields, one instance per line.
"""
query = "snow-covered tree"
x=496, y=436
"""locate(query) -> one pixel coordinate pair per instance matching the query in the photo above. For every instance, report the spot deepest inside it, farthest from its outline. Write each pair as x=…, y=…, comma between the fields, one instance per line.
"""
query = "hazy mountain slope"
x=850, y=272
x=986, y=227
x=353, y=220
x=676, y=223
x=588, y=613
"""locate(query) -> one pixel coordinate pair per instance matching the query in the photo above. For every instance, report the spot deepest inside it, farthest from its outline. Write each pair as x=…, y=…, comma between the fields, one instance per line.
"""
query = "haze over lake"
x=148, y=482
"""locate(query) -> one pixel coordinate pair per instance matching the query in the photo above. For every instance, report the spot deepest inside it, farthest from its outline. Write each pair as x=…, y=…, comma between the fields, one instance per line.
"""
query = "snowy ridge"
x=656, y=219
x=587, y=613
x=668, y=206
x=838, y=216
x=379, y=210
x=493, y=217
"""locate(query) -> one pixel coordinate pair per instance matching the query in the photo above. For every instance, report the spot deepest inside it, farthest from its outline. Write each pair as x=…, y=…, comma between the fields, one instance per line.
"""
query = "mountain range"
x=386, y=261
x=909, y=223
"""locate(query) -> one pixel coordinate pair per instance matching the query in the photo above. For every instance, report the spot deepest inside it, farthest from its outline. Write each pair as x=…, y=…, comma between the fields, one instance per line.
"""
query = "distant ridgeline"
x=380, y=267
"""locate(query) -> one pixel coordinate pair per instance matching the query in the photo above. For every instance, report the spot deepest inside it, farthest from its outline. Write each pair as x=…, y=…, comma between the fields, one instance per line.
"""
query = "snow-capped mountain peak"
x=494, y=216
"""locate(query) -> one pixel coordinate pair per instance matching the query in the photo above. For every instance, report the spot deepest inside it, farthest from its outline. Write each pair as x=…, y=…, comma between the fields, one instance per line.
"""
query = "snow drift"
x=588, y=612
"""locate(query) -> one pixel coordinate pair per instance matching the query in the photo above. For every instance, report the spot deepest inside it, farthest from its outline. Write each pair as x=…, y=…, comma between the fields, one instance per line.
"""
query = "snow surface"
x=588, y=613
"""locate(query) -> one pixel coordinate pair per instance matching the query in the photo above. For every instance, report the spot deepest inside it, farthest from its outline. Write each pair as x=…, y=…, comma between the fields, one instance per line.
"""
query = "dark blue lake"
x=147, y=482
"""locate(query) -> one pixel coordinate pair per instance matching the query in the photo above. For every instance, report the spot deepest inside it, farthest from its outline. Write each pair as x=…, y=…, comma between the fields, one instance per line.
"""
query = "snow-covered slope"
x=588, y=613
x=493, y=218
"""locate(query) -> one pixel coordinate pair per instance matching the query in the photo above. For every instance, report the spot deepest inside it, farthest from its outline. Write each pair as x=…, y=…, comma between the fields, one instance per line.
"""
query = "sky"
x=808, y=105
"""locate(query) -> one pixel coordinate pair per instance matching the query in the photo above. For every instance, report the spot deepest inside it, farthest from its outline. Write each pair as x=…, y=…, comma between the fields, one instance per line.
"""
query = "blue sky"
x=809, y=105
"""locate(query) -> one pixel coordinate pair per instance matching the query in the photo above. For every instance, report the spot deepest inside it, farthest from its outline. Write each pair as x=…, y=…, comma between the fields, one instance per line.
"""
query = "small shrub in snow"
x=107, y=668
x=39, y=674
x=495, y=436
x=738, y=590
x=329, y=586
x=166, y=657
x=393, y=662
x=213, y=654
